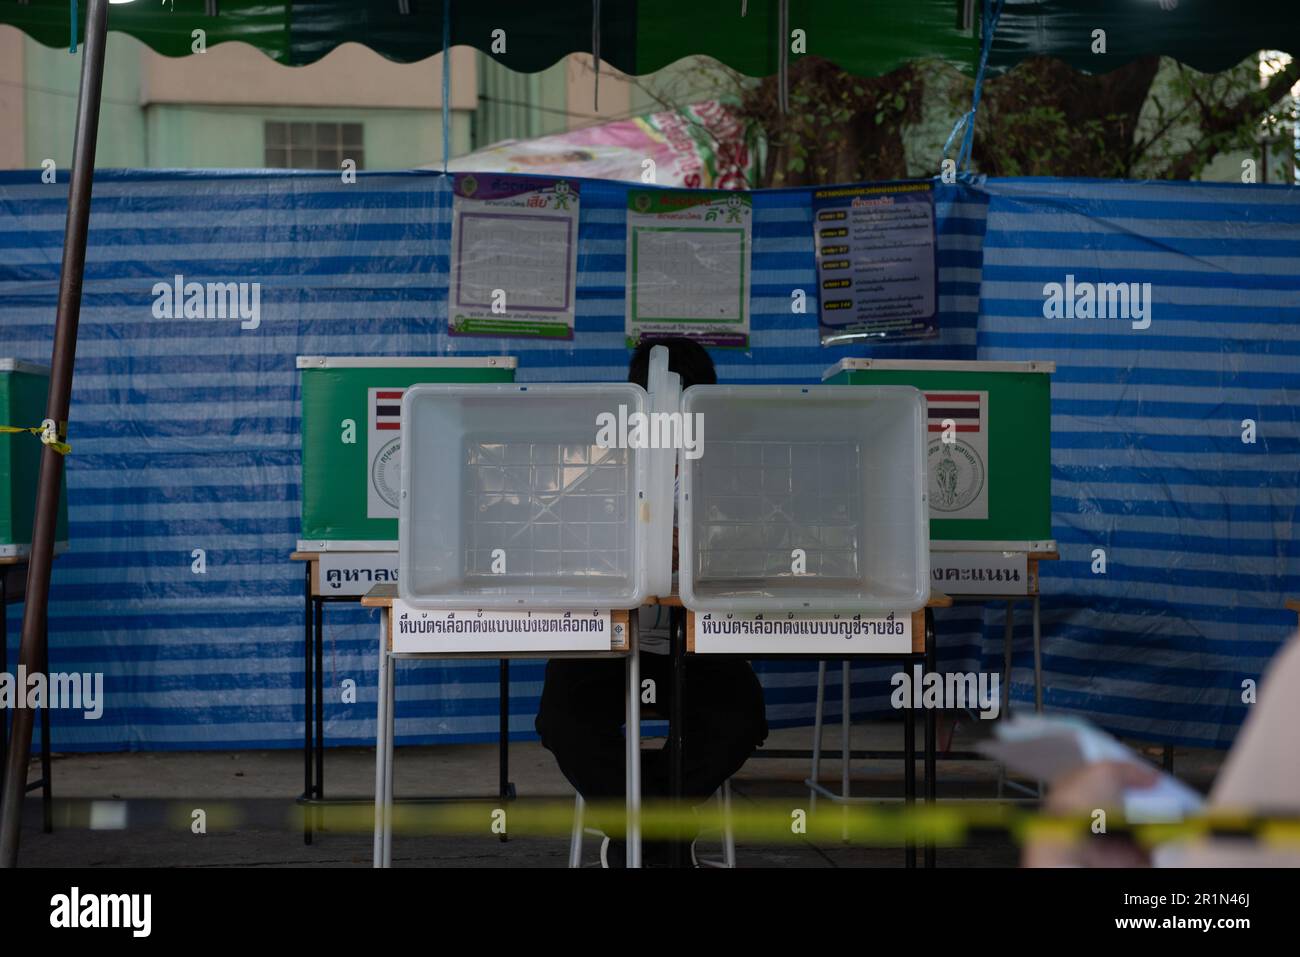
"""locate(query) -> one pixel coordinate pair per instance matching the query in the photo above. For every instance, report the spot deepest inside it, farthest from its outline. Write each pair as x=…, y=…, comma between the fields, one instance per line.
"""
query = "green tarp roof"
x=641, y=36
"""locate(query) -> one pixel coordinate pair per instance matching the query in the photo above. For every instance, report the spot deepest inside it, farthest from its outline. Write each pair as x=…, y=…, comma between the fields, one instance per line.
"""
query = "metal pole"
x=4, y=668
x=56, y=408
x=308, y=752
x=503, y=736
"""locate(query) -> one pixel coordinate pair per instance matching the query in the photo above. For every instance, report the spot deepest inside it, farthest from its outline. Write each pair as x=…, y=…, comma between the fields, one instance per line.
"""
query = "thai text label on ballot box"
x=983, y=573
x=354, y=573
x=420, y=631
x=792, y=633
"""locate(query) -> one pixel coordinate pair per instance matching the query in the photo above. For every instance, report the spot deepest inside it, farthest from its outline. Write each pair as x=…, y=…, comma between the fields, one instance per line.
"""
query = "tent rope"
x=446, y=83
x=783, y=56
x=595, y=52
x=72, y=42
x=966, y=123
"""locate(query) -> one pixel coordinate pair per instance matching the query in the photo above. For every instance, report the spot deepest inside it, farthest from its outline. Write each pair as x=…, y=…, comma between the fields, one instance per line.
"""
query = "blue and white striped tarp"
x=185, y=435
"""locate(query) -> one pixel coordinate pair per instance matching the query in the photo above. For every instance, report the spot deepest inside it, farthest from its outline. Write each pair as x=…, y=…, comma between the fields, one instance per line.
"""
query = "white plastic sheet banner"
x=514, y=255
x=688, y=266
x=702, y=146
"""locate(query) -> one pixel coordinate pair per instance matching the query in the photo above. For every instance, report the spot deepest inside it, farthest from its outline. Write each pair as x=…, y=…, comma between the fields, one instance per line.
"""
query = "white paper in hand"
x=1046, y=747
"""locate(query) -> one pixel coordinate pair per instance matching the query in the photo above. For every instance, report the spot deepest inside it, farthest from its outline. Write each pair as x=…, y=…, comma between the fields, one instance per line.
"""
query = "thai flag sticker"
x=963, y=408
x=388, y=409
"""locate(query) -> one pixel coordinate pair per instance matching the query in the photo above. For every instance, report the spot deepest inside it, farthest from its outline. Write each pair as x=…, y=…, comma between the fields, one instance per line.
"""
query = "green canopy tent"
x=641, y=36
x=634, y=36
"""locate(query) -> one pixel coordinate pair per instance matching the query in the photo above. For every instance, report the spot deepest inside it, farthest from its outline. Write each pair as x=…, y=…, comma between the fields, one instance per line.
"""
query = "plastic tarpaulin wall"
x=185, y=435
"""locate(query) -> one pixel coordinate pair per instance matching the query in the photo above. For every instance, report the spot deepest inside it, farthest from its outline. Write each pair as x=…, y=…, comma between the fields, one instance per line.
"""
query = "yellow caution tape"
x=759, y=821
x=46, y=432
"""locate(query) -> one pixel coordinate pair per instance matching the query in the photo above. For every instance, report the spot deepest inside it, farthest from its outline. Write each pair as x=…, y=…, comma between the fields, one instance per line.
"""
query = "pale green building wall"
x=185, y=137
x=519, y=106
x=177, y=136
x=50, y=108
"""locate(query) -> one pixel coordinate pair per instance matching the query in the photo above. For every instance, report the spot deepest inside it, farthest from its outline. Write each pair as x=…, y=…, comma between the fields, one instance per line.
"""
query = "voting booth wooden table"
x=803, y=534
x=988, y=449
x=989, y=457
x=906, y=637
x=407, y=632
x=351, y=465
x=524, y=530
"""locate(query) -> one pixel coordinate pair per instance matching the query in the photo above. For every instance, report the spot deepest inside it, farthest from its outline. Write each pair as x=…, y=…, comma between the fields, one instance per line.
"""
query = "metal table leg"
x=381, y=744
x=1008, y=639
x=504, y=789
x=1038, y=669
x=4, y=667
x=817, y=735
x=633, y=735
x=390, y=738
x=846, y=734
x=1038, y=659
x=319, y=790
x=909, y=772
x=931, y=729
x=1008, y=633
x=676, y=720
x=307, y=750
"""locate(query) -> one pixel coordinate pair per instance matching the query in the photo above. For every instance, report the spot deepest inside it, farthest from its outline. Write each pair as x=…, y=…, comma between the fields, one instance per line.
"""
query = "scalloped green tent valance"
x=641, y=36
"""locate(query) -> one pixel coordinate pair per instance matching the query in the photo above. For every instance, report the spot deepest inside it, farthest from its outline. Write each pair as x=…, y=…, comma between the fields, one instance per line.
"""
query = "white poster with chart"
x=688, y=266
x=514, y=256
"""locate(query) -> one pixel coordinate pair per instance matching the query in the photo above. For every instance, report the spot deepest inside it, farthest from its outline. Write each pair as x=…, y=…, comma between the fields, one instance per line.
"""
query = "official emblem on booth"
x=956, y=476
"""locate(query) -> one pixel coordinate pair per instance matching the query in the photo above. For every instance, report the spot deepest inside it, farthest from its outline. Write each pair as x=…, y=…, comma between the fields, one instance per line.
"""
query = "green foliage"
x=1151, y=119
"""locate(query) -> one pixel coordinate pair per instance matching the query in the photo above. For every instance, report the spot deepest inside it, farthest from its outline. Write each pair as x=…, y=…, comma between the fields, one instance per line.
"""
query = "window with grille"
x=313, y=145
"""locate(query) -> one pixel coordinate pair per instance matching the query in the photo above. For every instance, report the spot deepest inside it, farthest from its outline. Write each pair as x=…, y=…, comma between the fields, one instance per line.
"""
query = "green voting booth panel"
x=23, y=387
x=989, y=448
x=350, y=441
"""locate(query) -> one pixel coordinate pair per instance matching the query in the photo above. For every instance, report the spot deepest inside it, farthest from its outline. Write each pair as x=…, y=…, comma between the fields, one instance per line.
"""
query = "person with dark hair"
x=581, y=715
x=686, y=357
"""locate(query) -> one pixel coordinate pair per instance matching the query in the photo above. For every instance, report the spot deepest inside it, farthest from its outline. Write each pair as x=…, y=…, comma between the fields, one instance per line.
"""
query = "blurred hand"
x=1080, y=794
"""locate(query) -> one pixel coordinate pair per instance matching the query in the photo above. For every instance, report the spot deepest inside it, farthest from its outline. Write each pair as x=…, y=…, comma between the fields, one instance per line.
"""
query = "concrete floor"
x=248, y=797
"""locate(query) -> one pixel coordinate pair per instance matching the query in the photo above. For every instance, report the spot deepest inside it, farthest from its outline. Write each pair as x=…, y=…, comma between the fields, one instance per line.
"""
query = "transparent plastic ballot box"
x=805, y=499
x=516, y=497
